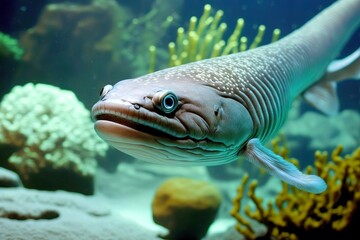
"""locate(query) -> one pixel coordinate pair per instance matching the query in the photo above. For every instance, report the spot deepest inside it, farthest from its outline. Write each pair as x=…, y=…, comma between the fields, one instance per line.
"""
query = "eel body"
x=211, y=112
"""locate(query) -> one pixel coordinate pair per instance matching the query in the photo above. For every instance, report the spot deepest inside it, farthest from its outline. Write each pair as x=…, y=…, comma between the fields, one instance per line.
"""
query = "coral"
x=204, y=39
x=186, y=207
x=9, y=48
x=300, y=215
x=10, y=55
x=32, y=214
x=54, y=136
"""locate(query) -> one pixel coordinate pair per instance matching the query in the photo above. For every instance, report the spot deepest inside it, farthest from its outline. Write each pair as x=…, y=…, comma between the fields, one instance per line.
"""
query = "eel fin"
x=277, y=166
x=322, y=96
x=346, y=68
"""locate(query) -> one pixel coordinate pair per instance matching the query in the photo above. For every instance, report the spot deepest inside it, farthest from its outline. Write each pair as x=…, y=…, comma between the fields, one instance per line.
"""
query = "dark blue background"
x=18, y=15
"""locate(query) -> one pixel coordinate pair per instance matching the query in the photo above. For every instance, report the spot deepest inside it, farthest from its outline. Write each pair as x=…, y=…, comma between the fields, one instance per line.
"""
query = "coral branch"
x=302, y=215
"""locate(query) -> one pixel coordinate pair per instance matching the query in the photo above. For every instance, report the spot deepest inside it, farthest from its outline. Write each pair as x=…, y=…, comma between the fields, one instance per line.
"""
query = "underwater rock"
x=56, y=145
x=72, y=44
x=62, y=215
x=75, y=44
x=9, y=178
x=186, y=207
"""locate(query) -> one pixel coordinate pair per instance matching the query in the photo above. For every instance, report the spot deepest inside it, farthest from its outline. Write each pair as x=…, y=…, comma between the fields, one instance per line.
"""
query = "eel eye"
x=105, y=90
x=166, y=101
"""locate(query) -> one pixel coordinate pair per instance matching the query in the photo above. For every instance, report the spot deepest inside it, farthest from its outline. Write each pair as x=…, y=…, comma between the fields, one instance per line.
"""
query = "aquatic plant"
x=152, y=26
x=52, y=132
x=204, y=39
x=300, y=215
x=9, y=48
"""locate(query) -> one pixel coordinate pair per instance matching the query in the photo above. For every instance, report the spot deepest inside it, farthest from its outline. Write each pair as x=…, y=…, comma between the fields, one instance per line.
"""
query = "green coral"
x=51, y=128
x=300, y=215
x=9, y=48
x=204, y=39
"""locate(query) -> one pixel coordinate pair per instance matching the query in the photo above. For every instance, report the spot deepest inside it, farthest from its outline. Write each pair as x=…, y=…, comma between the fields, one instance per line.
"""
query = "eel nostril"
x=105, y=90
x=136, y=106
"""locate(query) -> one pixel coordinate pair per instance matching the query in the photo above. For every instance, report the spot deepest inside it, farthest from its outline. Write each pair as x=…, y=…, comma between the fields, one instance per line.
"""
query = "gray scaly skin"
x=213, y=111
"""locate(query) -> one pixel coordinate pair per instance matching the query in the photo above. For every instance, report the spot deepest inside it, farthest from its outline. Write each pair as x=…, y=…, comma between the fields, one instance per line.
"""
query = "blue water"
x=287, y=16
x=18, y=16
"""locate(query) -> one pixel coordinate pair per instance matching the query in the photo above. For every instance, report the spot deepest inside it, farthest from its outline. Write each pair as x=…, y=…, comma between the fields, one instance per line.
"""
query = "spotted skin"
x=228, y=106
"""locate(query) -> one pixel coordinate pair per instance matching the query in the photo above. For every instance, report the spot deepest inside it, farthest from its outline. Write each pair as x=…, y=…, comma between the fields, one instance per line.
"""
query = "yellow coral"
x=243, y=225
x=302, y=215
x=204, y=39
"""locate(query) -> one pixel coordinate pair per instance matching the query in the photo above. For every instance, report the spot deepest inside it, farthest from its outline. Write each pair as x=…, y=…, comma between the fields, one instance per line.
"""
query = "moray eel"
x=214, y=111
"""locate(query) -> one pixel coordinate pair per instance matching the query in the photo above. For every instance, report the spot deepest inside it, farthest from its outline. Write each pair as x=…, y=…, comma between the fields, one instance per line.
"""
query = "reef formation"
x=295, y=214
x=52, y=138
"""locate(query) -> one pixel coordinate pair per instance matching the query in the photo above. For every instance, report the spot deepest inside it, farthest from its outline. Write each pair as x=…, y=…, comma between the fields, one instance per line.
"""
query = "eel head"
x=181, y=122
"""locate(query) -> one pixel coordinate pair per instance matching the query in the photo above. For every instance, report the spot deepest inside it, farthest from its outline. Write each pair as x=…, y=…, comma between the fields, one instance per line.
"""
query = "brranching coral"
x=51, y=129
x=300, y=215
x=204, y=39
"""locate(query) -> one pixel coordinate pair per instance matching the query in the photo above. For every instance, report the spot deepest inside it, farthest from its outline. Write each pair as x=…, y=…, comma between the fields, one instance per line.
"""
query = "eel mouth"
x=152, y=137
x=139, y=120
x=136, y=126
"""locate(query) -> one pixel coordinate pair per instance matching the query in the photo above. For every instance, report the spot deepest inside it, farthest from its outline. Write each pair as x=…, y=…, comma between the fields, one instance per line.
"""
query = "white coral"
x=51, y=127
